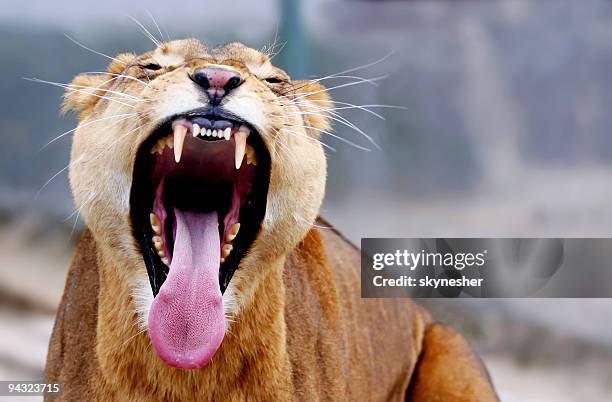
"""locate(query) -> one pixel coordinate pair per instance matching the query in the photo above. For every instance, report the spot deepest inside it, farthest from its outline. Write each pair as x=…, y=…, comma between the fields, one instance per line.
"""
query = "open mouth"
x=197, y=202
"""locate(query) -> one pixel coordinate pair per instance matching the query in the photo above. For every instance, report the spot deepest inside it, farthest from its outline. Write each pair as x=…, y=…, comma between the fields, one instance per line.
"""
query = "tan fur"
x=301, y=331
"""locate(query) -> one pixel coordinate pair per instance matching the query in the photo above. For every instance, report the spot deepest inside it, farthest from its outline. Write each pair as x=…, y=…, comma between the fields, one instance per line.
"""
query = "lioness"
x=201, y=276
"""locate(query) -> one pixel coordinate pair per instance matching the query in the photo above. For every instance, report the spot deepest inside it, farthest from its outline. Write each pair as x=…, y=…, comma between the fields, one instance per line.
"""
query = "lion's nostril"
x=217, y=82
x=232, y=83
x=201, y=79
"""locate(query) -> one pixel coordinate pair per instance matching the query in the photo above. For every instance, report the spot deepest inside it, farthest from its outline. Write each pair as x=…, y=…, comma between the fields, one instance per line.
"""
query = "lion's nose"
x=217, y=82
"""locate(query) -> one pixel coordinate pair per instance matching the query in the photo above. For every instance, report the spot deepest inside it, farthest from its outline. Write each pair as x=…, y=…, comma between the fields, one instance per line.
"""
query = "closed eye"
x=152, y=67
x=273, y=80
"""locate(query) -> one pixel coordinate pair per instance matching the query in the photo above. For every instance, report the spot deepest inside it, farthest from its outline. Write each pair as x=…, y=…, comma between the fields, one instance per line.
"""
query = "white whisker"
x=53, y=177
x=161, y=35
x=309, y=138
x=93, y=51
x=348, y=84
x=335, y=136
x=359, y=79
x=117, y=76
x=121, y=117
x=342, y=120
x=364, y=66
x=146, y=32
x=66, y=86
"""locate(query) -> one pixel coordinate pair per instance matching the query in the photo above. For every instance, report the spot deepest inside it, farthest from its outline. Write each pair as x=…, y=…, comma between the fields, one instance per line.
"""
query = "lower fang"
x=233, y=232
x=155, y=223
x=165, y=261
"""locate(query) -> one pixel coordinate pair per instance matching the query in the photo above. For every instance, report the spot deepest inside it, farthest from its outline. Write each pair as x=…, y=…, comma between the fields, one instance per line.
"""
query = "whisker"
x=78, y=208
x=142, y=331
x=93, y=51
x=348, y=84
x=296, y=216
x=364, y=66
x=309, y=138
x=117, y=76
x=125, y=117
x=335, y=136
x=65, y=86
x=329, y=77
x=161, y=35
x=96, y=89
x=352, y=106
x=99, y=155
x=146, y=32
x=342, y=120
x=53, y=177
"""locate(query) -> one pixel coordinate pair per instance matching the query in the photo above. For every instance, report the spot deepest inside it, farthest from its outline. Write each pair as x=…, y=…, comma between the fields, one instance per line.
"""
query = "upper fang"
x=180, y=132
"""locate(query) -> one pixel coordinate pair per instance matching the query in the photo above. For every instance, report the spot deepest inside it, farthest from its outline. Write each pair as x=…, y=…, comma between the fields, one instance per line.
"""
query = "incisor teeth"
x=240, y=137
x=208, y=132
x=169, y=141
x=179, y=138
x=227, y=133
x=155, y=224
x=195, y=129
x=226, y=250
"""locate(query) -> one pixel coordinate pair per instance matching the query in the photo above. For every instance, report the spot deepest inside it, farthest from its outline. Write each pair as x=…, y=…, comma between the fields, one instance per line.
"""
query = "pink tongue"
x=186, y=321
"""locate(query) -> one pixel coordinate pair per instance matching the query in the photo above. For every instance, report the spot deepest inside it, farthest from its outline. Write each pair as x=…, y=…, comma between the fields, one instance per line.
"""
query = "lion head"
x=195, y=168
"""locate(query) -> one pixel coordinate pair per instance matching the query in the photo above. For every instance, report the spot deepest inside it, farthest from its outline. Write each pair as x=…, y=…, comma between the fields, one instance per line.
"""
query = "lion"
x=201, y=274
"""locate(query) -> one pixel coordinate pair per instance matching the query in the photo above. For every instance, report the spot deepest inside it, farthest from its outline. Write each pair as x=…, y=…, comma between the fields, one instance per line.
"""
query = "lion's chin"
x=197, y=202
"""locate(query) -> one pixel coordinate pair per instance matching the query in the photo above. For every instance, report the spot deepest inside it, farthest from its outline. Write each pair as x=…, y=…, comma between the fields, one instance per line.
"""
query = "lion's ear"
x=316, y=102
x=86, y=90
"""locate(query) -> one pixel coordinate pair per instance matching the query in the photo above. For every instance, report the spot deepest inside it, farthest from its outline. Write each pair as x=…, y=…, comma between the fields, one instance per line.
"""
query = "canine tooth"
x=222, y=260
x=233, y=232
x=165, y=261
x=195, y=129
x=227, y=133
x=226, y=250
x=161, y=253
x=234, y=229
x=179, y=138
x=155, y=224
x=240, y=137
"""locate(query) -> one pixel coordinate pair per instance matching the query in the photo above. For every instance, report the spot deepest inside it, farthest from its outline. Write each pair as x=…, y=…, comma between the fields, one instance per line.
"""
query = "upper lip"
x=216, y=112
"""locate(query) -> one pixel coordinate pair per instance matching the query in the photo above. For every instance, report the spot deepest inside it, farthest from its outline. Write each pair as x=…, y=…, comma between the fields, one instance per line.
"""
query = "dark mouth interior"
x=223, y=169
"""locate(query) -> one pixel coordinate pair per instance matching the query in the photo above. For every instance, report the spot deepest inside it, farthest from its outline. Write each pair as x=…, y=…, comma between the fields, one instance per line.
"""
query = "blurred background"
x=504, y=131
